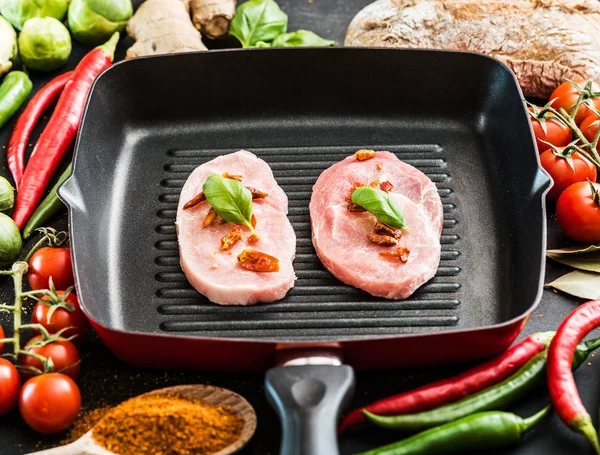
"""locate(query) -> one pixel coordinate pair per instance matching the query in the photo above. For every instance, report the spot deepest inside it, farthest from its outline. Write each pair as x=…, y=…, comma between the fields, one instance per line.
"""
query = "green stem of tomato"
x=18, y=270
x=7, y=308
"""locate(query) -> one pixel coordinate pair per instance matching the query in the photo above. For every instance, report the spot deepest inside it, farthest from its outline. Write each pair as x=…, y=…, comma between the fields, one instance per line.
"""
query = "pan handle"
x=309, y=400
x=70, y=194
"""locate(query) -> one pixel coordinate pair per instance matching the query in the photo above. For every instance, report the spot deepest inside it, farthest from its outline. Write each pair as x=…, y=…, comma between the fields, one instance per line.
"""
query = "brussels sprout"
x=10, y=240
x=7, y=194
x=18, y=11
x=8, y=46
x=93, y=22
x=44, y=44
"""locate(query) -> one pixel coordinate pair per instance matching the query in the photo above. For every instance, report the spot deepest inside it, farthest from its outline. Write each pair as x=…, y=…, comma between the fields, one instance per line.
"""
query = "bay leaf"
x=584, y=285
x=589, y=261
x=580, y=249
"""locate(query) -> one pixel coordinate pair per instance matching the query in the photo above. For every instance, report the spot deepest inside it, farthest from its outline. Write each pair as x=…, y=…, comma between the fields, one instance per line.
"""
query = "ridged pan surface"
x=457, y=117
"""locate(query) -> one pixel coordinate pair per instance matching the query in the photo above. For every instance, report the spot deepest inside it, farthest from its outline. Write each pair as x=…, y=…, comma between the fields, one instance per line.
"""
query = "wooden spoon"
x=206, y=393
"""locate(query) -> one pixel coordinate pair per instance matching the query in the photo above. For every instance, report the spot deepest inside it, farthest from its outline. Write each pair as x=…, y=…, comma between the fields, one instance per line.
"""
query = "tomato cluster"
x=565, y=131
x=48, y=398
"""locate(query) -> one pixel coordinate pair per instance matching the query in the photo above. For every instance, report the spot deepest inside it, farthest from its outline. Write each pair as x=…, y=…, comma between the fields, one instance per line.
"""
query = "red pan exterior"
x=405, y=351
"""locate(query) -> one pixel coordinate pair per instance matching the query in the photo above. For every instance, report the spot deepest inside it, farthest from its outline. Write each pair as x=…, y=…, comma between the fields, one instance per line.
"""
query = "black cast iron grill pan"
x=458, y=117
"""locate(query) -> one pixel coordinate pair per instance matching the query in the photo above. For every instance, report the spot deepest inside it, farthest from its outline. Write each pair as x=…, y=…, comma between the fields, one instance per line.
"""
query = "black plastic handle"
x=309, y=400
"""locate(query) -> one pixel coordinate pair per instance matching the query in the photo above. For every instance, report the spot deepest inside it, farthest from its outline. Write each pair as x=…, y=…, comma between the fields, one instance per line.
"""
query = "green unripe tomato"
x=10, y=240
x=17, y=12
x=8, y=46
x=7, y=194
x=93, y=22
x=44, y=44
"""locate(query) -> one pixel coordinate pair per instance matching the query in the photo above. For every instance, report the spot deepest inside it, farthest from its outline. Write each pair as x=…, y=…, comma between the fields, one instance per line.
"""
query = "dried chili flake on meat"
x=253, y=220
x=400, y=253
x=378, y=166
x=209, y=218
x=386, y=186
x=195, y=201
x=253, y=238
x=227, y=175
x=384, y=229
x=257, y=194
x=374, y=183
x=353, y=189
x=258, y=261
x=231, y=238
x=352, y=207
x=381, y=239
x=363, y=154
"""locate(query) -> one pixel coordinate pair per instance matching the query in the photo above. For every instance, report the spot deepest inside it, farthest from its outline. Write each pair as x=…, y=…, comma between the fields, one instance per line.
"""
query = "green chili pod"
x=495, y=397
x=13, y=92
x=47, y=208
x=482, y=431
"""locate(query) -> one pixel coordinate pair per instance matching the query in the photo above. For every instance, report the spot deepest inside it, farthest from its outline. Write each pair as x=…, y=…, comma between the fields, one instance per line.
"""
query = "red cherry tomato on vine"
x=50, y=403
x=562, y=174
x=566, y=96
x=557, y=133
x=589, y=128
x=1, y=336
x=64, y=355
x=578, y=214
x=10, y=384
x=62, y=318
x=51, y=262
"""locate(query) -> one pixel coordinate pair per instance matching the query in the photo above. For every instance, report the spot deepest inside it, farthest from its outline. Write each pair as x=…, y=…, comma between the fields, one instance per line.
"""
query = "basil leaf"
x=301, y=38
x=380, y=204
x=258, y=20
x=585, y=285
x=231, y=200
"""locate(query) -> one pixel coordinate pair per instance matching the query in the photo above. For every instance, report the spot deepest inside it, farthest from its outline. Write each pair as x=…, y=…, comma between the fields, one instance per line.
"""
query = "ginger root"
x=212, y=17
x=163, y=27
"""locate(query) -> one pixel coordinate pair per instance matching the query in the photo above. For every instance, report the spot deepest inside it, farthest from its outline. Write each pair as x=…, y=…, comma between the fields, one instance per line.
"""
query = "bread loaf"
x=542, y=41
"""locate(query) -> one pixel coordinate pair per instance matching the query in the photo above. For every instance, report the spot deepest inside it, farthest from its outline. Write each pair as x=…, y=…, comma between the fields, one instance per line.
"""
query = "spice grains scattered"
x=168, y=425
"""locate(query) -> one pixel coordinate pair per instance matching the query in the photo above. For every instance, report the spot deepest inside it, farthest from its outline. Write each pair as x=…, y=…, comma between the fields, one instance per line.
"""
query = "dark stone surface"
x=104, y=380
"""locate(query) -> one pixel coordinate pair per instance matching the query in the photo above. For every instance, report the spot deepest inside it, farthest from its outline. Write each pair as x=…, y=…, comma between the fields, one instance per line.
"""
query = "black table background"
x=105, y=380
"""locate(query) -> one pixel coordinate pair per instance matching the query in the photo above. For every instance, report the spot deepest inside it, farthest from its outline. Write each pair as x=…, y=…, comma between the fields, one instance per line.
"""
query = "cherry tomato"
x=62, y=318
x=50, y=403
x=10, y=384
x=51, y=262
x=588, y=128
x=1, y=336
x=566, y=96
x=562, y=174
x=558, y=134
x=578, y=214
x=64, y=356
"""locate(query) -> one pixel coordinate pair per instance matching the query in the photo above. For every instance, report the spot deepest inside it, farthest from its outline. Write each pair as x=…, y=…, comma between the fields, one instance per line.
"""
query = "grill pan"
x=459, y=117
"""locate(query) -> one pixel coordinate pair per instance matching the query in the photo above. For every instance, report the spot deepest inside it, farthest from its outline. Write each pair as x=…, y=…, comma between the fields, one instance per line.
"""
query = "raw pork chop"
x=340, y=236
x=215, y=273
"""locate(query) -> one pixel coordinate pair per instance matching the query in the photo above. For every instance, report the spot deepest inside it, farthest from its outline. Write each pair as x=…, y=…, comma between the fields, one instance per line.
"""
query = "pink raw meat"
x=340, y=236
x=215, y=273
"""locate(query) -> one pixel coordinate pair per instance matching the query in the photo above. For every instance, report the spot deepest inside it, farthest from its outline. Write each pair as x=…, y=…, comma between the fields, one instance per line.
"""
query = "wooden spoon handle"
x=83, y=446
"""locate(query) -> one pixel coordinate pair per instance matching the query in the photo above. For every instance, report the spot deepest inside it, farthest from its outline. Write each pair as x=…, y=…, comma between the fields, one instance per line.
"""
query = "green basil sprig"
x=231, y=200
x=301, y=38
x=381, y=205
x=258, y=20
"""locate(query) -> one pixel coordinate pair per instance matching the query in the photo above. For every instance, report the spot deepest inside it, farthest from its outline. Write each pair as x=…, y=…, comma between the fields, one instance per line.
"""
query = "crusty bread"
x=542, y=41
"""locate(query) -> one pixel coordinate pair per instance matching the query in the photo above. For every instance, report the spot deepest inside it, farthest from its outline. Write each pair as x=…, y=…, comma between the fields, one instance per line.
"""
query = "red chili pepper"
x=457, y=387
x=60, y=132
x=561, y=384
x=27, y=121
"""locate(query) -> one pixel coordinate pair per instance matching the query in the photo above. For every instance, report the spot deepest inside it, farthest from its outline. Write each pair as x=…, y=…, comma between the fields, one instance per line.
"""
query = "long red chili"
x=27, y=121
x=457, y=387
x=60, y=132
x=561, y=384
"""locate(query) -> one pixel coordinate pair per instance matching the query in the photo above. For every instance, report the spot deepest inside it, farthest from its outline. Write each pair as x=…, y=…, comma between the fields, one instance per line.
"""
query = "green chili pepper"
x=13, y=92
x=482, y=431
x=47, y=208
x=498, y=396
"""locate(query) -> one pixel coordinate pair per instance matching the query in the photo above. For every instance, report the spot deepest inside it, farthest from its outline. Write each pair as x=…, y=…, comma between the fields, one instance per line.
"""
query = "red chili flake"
x=378, y=166
x=352, y=207
x=210, y=217
x=386, y=186
x=258, y=261
x=400, y=253
x=253, y=238
x=253, y=220
x=382, y=239
x=374, y=183
x=257, y=194
x=231, y=238
x=363, y=154
x=384, y=229
x=195, y=201
x=227, y=175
